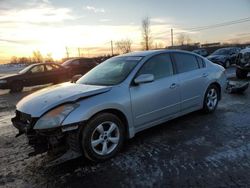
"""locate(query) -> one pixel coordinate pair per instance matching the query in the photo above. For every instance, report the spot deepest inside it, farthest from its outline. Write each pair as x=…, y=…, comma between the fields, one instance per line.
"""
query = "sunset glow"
x=86, y=28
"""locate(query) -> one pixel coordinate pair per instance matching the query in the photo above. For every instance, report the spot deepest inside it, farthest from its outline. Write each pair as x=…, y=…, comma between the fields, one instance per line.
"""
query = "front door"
x=36, y=76
x=159, y=99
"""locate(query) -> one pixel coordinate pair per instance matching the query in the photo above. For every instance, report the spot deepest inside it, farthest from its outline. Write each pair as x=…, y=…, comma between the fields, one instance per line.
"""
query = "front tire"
x=241, y=74
x=102, y=137
x=211, y=99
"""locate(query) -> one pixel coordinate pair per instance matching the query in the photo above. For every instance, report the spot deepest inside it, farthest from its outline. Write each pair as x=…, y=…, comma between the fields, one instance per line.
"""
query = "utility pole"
x=79, y=52
x=172, y=38
x=67, y=51
x=112, y=50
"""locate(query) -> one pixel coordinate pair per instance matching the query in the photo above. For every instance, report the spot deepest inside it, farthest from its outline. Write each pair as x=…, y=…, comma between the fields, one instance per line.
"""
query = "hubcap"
x=105, y=138
x=212, y=99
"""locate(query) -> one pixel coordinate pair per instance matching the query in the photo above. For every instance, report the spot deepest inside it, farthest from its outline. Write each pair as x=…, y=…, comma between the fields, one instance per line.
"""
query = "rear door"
x=61, y=72
x=193, y=78
x=159, y=99
x=50, y=74
x=36, y=76
x=75, y=67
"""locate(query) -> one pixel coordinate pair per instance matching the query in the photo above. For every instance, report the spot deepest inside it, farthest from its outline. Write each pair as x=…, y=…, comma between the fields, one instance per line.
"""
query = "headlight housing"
x=3, y=81
x=55, y=117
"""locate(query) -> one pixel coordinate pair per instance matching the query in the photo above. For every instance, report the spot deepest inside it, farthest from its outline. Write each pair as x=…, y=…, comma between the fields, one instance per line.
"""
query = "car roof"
x=77, y=58
x=229, y=48
x=35, y=64
x=151, y=52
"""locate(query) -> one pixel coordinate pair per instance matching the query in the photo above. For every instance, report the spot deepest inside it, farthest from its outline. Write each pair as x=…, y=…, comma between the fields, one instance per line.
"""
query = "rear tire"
x=102, y=137
x=16, y=86
x=241, y=74
x=211, y=99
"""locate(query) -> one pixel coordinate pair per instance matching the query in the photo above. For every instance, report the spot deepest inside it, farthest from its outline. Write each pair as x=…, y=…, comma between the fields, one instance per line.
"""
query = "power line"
x=243, y=20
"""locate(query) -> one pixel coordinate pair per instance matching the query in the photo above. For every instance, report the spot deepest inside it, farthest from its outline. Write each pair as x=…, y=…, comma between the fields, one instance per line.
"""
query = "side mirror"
x=75, y=78
x=144, y=78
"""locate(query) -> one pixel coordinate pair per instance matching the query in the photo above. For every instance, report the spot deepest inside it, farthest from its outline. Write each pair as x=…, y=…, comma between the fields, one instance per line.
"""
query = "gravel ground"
x=196, y=150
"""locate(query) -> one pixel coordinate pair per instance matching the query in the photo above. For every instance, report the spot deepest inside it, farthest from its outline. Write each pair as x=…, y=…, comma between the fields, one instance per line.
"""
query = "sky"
x=89, y=25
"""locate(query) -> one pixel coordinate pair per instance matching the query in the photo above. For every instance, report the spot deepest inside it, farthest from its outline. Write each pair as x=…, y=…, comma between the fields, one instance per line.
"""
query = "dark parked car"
x=243, y=63
x=36, y=74
x=201, y=51
x=224, y=56
x=80, y=65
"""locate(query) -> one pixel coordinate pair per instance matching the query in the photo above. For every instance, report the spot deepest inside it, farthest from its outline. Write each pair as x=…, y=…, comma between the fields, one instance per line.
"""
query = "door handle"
x=173, y=85
x=205, y=75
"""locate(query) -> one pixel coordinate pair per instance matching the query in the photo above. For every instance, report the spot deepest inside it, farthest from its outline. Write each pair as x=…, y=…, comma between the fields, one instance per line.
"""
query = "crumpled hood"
x=41, y=101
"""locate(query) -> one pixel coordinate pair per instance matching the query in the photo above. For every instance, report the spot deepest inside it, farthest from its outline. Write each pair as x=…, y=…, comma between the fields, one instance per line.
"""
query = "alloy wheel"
x=212, y=99
x=105, y=138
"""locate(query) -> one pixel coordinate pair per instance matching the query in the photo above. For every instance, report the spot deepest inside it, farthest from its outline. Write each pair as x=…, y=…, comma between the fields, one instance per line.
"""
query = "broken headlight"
x=55, y=117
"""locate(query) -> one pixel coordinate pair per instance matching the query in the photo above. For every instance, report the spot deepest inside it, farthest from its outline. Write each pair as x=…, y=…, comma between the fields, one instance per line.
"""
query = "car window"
x=160, y=66
x=185, y=62
x=200, y=62
x=49, y=68
x=75, y=62
x=84, y=61
x=56, y=66
x=37, y=69
x=111, y=72
x=87, y=62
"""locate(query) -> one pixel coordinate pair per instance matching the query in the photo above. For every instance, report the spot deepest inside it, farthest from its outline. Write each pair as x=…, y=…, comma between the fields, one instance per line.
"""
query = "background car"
x=36, y=74
x=201, y=51
x=224, y=56
x=79, y=65
x=118, y=98
x=243, y=63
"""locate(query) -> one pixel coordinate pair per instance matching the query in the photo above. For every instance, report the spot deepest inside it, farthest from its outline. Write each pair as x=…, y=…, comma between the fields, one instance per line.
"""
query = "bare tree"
x=158, y=45
x=188, y=39
x=124, y=46
x=24, y=60
x=37, y=56
x=14, y=60
x=182, y=39
x=49, y=58
x=146, y=34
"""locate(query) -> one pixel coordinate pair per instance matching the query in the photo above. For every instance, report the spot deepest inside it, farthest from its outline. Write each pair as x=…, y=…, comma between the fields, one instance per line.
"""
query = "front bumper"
x=53, y=141
x=4, y=86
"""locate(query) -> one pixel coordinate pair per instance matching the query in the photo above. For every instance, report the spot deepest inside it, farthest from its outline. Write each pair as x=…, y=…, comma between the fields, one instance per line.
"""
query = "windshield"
x=110, y=72
x=221, y=52
x=25, y=69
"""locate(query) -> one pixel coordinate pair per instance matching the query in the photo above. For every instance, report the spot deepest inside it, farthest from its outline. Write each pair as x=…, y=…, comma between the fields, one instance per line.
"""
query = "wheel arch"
x=218, y=86
x=120, y=115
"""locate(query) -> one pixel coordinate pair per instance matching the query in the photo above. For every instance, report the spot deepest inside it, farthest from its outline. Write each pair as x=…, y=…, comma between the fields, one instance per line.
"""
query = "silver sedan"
x=115, y=100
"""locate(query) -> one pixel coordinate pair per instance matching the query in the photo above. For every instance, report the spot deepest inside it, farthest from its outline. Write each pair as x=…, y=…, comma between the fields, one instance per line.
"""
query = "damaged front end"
x=60, y=144
x=243, y=60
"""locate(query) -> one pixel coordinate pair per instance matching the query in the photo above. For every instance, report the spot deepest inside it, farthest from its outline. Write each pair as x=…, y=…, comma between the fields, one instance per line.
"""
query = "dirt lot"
x=193, y=151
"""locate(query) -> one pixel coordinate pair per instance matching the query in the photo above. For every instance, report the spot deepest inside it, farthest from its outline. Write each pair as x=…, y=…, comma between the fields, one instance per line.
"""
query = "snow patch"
x=7, y=68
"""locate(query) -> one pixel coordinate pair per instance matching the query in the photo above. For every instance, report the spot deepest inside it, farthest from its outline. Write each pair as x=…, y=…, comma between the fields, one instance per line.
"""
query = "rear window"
x=200, y=62
x=185, y=62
